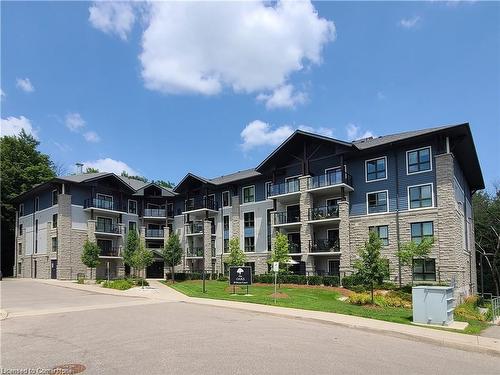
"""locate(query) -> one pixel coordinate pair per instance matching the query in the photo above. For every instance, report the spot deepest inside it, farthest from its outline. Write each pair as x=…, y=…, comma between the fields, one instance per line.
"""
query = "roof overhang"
x=189, y=180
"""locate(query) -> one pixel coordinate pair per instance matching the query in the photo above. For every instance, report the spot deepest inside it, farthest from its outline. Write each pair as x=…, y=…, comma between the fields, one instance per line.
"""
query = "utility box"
x=433, y=305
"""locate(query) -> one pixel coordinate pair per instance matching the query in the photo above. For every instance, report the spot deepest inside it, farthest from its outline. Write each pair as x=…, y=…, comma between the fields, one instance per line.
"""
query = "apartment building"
x=324, y=194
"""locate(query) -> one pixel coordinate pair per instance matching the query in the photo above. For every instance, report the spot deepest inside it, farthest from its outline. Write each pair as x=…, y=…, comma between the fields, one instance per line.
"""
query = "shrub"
x=358, y=288
x=121, y=284
x=359, y=299
x=331, y=281
x=350, y=281
x=400, y=294
x=386, y=285
x=138, y=281
x=468, y=310
x=223, y=278
x=406, y=288
x=314, y=280
x=393, y=301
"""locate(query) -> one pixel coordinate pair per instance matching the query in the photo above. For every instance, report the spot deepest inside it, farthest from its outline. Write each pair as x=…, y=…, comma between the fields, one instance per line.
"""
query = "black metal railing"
x=155, y=212
x=158, y=233
x=286, y=217
x=325, y=212
x=194, y=252
x=195, y=228
x=110, y=251
x=329, y=179
x=200, y=203
x=103, y=204
x=287, y=187
x=324, y=246
x=106, y=227
x=293, y=248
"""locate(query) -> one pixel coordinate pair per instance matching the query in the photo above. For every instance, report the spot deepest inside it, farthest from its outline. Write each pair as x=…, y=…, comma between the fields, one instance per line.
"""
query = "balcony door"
x=333, y=176
x=293, y=213
x=294, y=242
x=104, y=224
x=333, y=235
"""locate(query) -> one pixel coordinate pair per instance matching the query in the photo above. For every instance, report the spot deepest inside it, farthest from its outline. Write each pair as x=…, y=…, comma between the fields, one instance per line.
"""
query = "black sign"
x=240, y=275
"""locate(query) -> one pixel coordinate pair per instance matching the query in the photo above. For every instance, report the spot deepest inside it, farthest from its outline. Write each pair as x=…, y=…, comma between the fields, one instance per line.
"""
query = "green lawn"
x=319, y=299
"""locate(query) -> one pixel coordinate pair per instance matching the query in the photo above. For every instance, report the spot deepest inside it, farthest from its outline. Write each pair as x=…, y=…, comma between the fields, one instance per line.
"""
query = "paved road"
x=181, y=338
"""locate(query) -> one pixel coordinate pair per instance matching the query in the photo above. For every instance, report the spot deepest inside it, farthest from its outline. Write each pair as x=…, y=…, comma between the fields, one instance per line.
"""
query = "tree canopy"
x=90, y=255
x=236, y=256
x=172, y=253
x=280, y=251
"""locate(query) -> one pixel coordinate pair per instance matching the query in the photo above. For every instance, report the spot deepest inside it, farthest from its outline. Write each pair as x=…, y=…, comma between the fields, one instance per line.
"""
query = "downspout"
x=397, y=216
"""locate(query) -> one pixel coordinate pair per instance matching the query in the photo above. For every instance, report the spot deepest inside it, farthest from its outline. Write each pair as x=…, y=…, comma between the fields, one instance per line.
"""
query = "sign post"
x=240, y=276
x=276, y=268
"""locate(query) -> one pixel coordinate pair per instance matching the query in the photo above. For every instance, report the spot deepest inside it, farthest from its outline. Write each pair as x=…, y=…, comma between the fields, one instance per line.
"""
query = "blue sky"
x=167, y=89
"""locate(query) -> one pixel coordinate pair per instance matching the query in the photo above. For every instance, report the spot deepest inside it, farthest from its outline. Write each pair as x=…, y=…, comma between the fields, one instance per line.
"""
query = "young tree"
x=131, y=245
x=371, y=268
x=90, y=255
x=280, y=252
x=412, y=250
x=236, y=256
x=172, y=253
x=91, y=170
x=165, y=184
x=141, y=259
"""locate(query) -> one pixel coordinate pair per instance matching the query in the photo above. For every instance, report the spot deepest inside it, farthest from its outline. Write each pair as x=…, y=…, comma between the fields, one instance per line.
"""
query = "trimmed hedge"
x=268, y=278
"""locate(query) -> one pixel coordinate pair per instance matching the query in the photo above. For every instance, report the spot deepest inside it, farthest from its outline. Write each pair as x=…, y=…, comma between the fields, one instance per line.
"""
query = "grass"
x=307, y=298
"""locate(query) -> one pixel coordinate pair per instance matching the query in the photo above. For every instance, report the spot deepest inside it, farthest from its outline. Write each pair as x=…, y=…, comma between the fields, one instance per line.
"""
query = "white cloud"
x=112, y=17
x=409, y=23
x=283, y=97
x=74, y=122
x=354, y=132
x=258, y=133
x=91, y=136
x=25, y=84
x=110, y=165
x=13, y=126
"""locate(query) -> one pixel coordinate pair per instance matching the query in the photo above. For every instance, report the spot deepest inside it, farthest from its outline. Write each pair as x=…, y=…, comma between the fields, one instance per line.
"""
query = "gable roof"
x=165, y=192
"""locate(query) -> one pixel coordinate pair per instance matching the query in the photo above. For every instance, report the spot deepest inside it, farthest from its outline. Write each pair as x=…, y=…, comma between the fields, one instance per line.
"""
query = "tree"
x=411, y=250
x=91, y=170
x=371, y=268
x=280, y=252
x=165, y=184
x=141, y=259
x=90, y=255
x=131, y=245
x=172, y=253
x=138, y=178
x=22, y=167
x=236, y=256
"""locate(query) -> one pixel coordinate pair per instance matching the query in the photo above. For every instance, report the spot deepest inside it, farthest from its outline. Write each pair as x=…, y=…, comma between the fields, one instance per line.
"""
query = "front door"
x=53, y=269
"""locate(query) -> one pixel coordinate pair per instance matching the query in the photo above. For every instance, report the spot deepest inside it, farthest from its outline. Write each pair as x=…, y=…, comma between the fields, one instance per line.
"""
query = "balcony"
x=330, y=182
x=195, y=229
x=108, y=228
x=285, y=192
x=195, y=252
x=293, y=248
x=324, y=246
x=154, y=233
x=155, y=213
x=103, y=205
x=287, y=219
x=200, y=204
x=325, y=213
x=109, y=252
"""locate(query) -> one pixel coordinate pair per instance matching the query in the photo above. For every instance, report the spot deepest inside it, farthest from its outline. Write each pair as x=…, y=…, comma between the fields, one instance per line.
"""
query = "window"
x=269, y=230
x=249, y=244
x=20, y=229
x=54, y=197
x=170, y=209
x=20, y=248
x=132, y=225
x=226, y=223
x=37, y=203
x=424, y=269
x=376, y=169
x=226, y=245
x=382, y=232
x=377, y=202
x=249, y=194
x=419, y=231
x=225, y=199
x=420, y=196
x=36, y=236
x=21, y=209
x=54, y=221
x=419, y=160
x=132, y=206
x=249, y=221
x=54, y=244
x=268, y=189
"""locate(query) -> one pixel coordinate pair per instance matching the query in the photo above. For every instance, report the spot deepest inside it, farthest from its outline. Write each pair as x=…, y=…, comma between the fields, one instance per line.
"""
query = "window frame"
x=422, y=236
x=376, y=229
x=21, y=209
x=136, y=207
x=224, y=223
x=267, y=189
x=423, y=273
x=243, y=193
x=245, y=244
x=386, y=169
x=409, y=197
x=36, y=237
x=52, y=197
x=54, y=222
x=386, y=198
x=132, y=221
x=52, y=244
x=408, y=159
x=245, y=221
x=228, y=198
x=36, y=204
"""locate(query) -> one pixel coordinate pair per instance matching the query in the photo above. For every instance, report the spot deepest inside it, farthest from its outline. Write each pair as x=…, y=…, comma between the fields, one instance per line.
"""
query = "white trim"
x=408, y=196
x=243, y=194
x=128, y=206
x=228, y=198
x=52, y=197
x=430, y=160
x=387, y=200
x=386, y=169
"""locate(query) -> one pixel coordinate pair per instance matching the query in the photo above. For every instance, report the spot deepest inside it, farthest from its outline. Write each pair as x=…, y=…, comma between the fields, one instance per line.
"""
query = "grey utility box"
x=432, y=305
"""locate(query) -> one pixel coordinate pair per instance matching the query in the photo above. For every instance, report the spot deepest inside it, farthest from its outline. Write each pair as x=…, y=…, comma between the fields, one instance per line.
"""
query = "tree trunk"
x=373, y=299
x=173, y=275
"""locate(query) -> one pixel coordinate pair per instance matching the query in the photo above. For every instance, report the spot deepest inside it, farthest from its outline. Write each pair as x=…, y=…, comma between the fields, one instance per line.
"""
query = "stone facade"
x=305, y=203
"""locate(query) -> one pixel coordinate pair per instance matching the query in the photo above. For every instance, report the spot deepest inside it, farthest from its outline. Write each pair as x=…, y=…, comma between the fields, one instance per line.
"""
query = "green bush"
x=358, y=288
x=138, y=281
x=223, y=278
x=121, y=284
x=359, y=299
x=331, y=281
x=350, y=281
x=392, y=299
x=266, y=278
x=468, y=310
x=400, y=294
x=314, y=280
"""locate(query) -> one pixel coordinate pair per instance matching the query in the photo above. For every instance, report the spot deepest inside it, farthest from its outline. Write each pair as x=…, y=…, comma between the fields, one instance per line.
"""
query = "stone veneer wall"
x=305, y=203
x=207, y=245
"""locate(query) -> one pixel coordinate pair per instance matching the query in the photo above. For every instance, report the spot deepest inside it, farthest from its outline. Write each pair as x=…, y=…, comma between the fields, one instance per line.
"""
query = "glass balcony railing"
x=194, y=252
x=155, y=233
x=105, y=227
x=196, y=228
x=110, y=251
x=155, y=212
x=286, y=217
x=325, y=212
x=200, y=203
x=329, y=179
x=293, y=248
x=283, y=188
x=324, y=246
x=103, y=204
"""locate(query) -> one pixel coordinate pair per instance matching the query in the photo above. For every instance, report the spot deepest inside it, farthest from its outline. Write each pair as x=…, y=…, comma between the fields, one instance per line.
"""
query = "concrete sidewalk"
x=159, y=291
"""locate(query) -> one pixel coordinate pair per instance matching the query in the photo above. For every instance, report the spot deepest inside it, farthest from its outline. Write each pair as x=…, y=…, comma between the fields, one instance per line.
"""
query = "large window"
x=132, y=206
x=382, y=232
x=377, y=202
x=54, y=221
x=20, y=229
x=54, y=197
x=249, y=194
x=420, y=196
x=424, y=269
x=422, y=230
x=225, y=199
x=249, y=244
x=249, y=221
x=418, y=160
x=376, y=169
x=269, y=230
x=54, y=244
x=226, y=245
x=268, y=188
x=226, y=223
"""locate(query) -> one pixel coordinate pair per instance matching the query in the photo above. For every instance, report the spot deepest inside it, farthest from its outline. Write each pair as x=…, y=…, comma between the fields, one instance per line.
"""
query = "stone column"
x=207, y=245
x=235, y=217
x=91, y=224
x=142, y=235
x=65, y=257
x=347, y=257
x=306, y=202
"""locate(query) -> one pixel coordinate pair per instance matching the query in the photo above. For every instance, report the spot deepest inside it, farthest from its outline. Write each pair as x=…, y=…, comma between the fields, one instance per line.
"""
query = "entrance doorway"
x=53, y=269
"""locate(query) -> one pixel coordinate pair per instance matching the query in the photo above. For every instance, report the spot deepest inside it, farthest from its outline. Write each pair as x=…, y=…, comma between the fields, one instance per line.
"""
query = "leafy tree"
x=487, y=233
x=371, y=268
x=236, y=256
x=139, y=178
x=22, y=167
x=91, y=170
x=172, y=253
x=280, y=252
x=90, y=255
x=411, y=250
x=165, y=184
x=141, y=259
x=131, y=245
